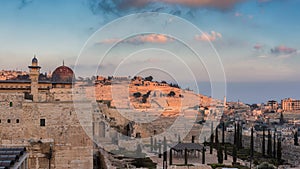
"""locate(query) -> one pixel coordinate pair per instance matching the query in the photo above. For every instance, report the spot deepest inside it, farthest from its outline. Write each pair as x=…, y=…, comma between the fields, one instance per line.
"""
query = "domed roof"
x=34, y=60
x=63, y=74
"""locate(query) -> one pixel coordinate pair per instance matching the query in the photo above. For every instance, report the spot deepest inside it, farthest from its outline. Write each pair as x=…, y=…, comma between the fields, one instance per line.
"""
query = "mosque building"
x=38, y=87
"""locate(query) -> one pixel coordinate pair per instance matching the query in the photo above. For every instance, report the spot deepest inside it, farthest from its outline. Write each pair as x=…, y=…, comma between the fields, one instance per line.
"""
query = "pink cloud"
x=154, y=38
x=149, y=38
x=212, y=36
x=283, y=50
x=258, y=46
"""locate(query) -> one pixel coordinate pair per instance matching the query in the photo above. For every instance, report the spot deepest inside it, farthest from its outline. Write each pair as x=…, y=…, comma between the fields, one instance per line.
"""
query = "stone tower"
x=34, y=70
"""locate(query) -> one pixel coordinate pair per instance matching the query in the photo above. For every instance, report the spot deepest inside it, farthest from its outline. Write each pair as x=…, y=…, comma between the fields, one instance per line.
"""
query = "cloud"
x=141, y=39
x=212, y=36
x=258, y=46
x=283, y=50
x=204, y=3
x=118, y=6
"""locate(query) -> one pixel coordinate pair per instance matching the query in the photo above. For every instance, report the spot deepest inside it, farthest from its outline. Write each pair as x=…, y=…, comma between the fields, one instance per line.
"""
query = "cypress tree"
x=269, y=148
x=203, y=155
x=225, y=152
x=238, y=136
x=279, y=153
x=159, y=150
x=234, y=154
x=185, y=157
x=223, y=133
x=296, y=139
x=217, y=136
x=220, y=154
x=274, y=144
x=263, y=143
x=281, y=119
x=171, y=157
x=241, y=137
x=235, y=137
x=252, y=144
x=211, y=138
x=165, y=149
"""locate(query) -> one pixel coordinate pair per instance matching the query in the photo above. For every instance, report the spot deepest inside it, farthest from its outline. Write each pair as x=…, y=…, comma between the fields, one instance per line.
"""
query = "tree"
x=149, y=78
x=279, y=150
x=238, y=136
x=241, y=137
x=144, y=100
x=171, y=157
x=252, y=144
x=263, y=142
x=220, y=154
x=217, y=136
x=211, y=138
x=235, y=134
x=171, y=94
x=234, y=154
x=296, y=139
x=269, y=148
x=281, y=119
x=223, y=133
x=137, y=94
x=165, y=150
x=203, y=155
x=274, y=144
x=225, y=152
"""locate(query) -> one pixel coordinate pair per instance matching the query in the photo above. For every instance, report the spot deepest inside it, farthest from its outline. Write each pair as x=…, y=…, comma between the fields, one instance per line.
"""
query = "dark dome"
x=63, y=74
x=34, y=60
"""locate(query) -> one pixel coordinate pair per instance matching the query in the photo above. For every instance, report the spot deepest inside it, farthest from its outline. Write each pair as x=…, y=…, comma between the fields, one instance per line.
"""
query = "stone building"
x=290, y=104
x=39, y=87
x=38, y=113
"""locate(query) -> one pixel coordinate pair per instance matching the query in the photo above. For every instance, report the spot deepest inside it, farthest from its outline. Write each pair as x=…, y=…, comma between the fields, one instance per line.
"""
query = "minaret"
x=34, y=70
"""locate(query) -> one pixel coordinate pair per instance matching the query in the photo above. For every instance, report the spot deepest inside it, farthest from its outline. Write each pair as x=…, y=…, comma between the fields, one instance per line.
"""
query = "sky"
x=254, y=42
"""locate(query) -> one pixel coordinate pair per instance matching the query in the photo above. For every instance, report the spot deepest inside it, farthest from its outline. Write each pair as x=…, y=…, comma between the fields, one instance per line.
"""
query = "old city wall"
x=21, y=125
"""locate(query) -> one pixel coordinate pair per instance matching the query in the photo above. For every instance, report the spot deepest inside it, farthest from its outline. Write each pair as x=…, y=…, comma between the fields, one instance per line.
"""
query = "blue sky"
x=257, y=40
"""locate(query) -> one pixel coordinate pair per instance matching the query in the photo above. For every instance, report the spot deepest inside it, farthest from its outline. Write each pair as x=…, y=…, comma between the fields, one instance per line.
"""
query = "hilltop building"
x=290, y=104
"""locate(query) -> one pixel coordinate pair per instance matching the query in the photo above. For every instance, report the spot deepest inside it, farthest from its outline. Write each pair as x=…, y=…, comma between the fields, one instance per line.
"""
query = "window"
x=17, y=121
x=10, y=104
x=8, y=120
x=42, y=122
